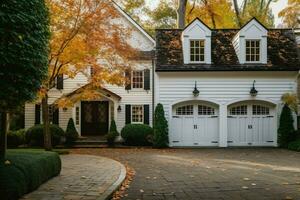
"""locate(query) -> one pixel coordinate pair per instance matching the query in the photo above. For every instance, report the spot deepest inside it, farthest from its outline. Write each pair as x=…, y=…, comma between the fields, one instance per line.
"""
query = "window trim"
x=185, y=106
x=259, y=42
x=143, y=114
x=204, y=61
x=131, y=80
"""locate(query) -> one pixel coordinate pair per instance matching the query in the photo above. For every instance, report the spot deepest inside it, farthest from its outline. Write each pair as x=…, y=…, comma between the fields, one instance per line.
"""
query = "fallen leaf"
x=246, y=179
x=141, y=190
x=245, y=187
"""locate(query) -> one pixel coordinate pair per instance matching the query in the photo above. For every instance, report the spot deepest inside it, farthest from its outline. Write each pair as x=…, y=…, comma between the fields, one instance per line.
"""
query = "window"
x=137, y=114
x=77, y=116
x=138, y=79
x=260, y=110
x=252, y=50
x=185, y=110
x=239, y=110
x=205, y=110
x=197, y=50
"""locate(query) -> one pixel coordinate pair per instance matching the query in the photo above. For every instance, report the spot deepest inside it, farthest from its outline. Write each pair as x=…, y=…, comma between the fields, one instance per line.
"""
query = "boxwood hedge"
x=137, y=134
x=25, y=171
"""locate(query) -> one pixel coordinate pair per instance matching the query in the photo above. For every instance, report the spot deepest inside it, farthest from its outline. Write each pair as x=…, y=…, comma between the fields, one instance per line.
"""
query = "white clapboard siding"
x=222, y=87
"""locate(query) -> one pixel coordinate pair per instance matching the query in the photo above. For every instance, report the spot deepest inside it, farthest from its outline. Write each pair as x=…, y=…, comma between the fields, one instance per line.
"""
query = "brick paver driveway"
x=229, y=174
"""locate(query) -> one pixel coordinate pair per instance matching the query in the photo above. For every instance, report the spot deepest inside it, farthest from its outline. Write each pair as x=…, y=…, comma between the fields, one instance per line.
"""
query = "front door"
x=94, y=118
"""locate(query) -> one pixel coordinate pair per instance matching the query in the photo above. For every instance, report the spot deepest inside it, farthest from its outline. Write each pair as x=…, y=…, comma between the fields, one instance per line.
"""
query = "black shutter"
x=127, y=114
x=146, y=114
x=55, y=114
x=37, y=111
x=128, y=80
x=60, y=82
x=147, y=79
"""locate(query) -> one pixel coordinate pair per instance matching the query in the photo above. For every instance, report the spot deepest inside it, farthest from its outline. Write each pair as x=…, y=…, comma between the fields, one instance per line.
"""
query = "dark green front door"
x=94, y=118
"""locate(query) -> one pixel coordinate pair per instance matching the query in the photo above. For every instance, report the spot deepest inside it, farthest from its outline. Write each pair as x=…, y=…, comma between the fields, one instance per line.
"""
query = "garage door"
x=195, y=125
x=251, y=124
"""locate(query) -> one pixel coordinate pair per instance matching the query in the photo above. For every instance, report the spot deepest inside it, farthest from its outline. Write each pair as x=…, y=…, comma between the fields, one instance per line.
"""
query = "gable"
x=139, y=39
x=253, y=29
x=196, y=29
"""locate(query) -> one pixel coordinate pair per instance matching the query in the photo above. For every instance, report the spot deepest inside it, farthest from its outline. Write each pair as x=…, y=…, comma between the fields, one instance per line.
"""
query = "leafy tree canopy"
x=23, y=50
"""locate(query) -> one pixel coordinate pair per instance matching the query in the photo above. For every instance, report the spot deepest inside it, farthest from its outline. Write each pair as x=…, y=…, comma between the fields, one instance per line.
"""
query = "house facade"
x=223, y=87
x=219, y=87
x=125, y=104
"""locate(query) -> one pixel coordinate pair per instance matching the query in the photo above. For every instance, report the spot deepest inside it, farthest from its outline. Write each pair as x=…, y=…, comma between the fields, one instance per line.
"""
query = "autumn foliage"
x=85, y=34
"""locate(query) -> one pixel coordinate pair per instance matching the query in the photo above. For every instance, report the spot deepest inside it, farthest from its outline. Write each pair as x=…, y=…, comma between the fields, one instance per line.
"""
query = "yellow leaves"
x=291, y=100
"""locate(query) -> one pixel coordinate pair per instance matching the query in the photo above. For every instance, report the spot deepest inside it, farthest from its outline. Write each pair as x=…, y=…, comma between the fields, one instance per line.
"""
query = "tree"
x=84, y=34
x=259, y=9
x=291, y=14
x=286, y=130
x=181, y=13
x=161, y=138
x=23, y=55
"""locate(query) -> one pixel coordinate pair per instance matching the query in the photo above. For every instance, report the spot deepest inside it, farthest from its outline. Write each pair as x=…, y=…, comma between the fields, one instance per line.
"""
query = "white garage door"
x=251, y=124
x=194, y=124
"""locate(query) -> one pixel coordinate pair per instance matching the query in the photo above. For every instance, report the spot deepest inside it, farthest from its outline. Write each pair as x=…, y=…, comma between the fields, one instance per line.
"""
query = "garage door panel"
x=187, y=130
x=206, y=132
x=176, y=129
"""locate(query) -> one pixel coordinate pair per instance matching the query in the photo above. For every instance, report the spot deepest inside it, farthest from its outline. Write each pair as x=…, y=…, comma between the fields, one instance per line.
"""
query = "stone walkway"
x=209, y=174
x=82, y=177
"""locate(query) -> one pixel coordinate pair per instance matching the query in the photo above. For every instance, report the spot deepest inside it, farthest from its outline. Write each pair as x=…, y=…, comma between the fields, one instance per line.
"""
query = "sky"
x=276, y=8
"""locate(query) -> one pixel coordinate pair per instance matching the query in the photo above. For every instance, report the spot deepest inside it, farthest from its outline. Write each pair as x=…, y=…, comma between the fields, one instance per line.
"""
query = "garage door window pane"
x=260, y=110
x=185, y=110
x=239, y=110
x=205, y=110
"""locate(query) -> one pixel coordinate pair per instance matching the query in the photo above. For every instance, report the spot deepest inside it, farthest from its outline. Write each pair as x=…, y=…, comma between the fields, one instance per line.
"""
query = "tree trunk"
x=181, y=10
x=4, y=126
x=237, y=12
x=46, y=123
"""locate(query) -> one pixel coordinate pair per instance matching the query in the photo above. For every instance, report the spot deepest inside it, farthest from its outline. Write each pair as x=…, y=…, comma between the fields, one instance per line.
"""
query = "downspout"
x=153, y=88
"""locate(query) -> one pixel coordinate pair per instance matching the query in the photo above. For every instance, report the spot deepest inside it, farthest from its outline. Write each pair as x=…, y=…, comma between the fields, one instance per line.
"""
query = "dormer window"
x=252, y=50
x=197, y=50
x=196, y=43
x=250, y=43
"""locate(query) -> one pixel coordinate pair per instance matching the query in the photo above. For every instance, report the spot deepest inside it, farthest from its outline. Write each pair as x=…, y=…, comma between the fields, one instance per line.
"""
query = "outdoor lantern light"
x=119, y=108
x=196, y=91
x=253, y=91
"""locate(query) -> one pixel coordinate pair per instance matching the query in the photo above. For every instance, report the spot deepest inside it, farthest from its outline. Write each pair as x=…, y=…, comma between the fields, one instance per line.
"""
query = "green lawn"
x=25, y=170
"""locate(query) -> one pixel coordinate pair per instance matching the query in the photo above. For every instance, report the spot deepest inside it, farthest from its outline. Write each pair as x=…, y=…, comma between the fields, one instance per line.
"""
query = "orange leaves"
x=87, y=33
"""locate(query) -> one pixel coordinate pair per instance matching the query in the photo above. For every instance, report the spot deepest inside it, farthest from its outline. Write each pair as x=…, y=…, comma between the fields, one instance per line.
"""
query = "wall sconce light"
x=65, y=109
x=253, y=91
x=119, y=108
x=196, y=91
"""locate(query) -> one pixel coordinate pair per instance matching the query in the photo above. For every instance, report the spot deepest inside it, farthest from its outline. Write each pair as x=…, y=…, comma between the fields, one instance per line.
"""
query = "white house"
x=223, y=87
x=132, y=104
x=219, y=87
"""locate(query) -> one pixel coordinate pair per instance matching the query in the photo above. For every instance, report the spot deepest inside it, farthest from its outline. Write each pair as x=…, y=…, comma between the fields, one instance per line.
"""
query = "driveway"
x=227, y=174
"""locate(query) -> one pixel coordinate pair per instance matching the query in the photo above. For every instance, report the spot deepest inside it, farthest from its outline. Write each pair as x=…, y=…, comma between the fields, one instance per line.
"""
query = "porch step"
x=90, y=142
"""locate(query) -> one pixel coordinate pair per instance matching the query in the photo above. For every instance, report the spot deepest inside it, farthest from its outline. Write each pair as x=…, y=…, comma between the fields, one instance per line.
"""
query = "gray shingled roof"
x=282, y=52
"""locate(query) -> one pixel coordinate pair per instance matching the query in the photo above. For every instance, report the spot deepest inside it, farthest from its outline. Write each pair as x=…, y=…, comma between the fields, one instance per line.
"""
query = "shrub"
x=161, y=138
x=286, y=131
x=295, y=145
x=137, y=134
x=71, y=132
x=112, y=134
x=35, y=137
x=16, y=138
x=27, y=170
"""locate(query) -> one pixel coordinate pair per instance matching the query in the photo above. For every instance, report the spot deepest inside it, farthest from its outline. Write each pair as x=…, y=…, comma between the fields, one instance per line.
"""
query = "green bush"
x=137, y=134
x=286, y=130
x=112, y=134
x=35, y=137
x=295, y=145
x=27, y=170
x=161, y=138
x=16, y=138
x=71, y=132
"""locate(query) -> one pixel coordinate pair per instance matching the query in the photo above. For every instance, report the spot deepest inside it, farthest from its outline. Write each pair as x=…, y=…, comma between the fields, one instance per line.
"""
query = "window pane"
x=137, y=79
x=197, y=50
x=137, y=113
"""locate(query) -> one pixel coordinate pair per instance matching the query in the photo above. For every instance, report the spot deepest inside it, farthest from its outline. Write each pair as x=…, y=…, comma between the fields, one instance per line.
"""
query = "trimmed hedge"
x=35, y=136
x=71, y=132
x=137, y=134
x=295, y=145
x=27, y=170
x=16, y=138
x=112, y=134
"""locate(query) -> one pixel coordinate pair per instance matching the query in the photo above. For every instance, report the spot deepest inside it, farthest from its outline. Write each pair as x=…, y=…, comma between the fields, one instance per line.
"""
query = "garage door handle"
x=195, y=127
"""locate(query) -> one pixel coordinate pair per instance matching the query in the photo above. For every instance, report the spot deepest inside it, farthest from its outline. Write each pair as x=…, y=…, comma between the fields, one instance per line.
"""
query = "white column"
x=223, y=126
